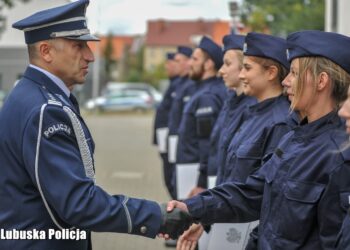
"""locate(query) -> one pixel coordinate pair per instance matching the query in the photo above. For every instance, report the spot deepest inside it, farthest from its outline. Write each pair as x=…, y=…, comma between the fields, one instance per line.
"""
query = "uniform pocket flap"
x=303, y=192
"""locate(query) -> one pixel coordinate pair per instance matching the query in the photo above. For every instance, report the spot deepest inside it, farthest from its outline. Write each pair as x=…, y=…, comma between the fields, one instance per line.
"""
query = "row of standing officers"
x=266, y=126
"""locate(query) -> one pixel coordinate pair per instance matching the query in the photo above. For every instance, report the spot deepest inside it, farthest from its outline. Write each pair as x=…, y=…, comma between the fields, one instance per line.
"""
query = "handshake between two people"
x=175, y=219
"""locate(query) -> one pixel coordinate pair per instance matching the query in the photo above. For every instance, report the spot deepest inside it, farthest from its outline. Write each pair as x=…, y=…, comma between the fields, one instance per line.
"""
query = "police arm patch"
x=57, y=128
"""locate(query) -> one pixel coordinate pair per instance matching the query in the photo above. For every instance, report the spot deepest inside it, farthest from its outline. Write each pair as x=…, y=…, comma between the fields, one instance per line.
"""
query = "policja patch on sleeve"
x=57, y=128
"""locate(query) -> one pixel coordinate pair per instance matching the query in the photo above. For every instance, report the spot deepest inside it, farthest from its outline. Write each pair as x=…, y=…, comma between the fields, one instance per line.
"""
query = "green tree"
x=134, y=67
x=108, y=57
x=283, y=16
x=153, y=77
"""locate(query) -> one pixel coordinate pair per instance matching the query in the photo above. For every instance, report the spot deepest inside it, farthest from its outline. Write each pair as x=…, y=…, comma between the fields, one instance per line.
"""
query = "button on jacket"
x=287, y=193
x=47, y=172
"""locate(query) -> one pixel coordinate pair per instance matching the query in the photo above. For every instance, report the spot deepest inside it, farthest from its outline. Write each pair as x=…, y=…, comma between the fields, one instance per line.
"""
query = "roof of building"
x=172, y=33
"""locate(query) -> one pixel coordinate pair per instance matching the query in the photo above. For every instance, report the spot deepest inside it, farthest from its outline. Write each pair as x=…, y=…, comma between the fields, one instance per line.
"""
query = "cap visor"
x=87, y=37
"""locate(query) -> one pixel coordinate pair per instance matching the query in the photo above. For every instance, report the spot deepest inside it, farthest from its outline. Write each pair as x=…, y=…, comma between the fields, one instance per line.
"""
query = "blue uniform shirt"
x=338, y=198
x=162, y=112
x=287, y=192
x=184, y=92
x=344, y=237
x=229, y=119
x=256, y=138
x=238, y=116
x=47, y=180
x=198, y=120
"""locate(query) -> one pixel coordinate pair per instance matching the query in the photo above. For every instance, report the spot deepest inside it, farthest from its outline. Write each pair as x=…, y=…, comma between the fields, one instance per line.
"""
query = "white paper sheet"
x=172, y=148
x=230, y=235
x=211, y=181
x=162, y=137
x=186, y=179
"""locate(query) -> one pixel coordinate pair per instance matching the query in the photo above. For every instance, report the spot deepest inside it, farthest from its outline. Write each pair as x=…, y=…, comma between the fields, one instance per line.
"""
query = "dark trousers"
x=168, y=172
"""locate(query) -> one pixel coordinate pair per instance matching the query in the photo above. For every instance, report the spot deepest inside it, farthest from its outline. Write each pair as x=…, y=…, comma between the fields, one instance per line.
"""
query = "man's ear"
x=45, y=49
x=209, y=64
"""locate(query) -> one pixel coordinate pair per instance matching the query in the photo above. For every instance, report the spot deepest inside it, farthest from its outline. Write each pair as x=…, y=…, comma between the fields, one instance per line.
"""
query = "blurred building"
x=13, y=50
x=121, y=46
x=163, y=36
x=337, y=16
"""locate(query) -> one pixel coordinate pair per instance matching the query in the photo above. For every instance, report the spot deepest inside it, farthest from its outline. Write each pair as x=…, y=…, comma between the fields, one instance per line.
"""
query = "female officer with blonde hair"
x=289, y=192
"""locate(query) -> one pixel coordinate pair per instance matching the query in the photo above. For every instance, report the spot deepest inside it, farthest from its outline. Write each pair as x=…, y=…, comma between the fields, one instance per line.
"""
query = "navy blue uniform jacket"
x=162, y=112
x=230, y=119
x=198, y=120
x=47, y=172
x=287, y=193
x=256, y=138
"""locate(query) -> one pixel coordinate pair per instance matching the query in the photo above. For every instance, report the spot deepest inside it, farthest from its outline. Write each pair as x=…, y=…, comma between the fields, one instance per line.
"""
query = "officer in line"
x=289, y=193
x=254, y=142
x=230, y=117
x=46, y=150
x=201, y=111
x=182, y=93
x=265, y=65
x=340, y=182
x=161, y=130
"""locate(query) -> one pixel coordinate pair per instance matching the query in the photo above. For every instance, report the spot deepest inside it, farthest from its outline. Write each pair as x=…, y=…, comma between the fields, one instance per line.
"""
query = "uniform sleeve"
x=230, y=202
x=333, y=207
x=54, y=163
x=206, y=116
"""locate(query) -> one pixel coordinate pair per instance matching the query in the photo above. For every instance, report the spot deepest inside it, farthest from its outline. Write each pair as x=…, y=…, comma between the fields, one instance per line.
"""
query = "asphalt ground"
x=126, y=163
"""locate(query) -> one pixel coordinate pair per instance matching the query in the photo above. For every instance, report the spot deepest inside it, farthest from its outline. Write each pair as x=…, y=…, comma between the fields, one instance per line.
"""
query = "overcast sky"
x=130, y=16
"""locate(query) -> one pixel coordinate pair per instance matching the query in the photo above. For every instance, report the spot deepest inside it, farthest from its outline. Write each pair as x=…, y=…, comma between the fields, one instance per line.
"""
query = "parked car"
x=125, y=96
x=112, y=86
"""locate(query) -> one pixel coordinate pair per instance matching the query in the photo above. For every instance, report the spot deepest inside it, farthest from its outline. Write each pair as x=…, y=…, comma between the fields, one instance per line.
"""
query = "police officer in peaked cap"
x=46, y=149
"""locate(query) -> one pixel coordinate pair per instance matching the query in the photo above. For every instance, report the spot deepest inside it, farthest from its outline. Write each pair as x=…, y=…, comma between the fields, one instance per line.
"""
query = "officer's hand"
x=189, y=239
x=177, y=204
x=174, y=222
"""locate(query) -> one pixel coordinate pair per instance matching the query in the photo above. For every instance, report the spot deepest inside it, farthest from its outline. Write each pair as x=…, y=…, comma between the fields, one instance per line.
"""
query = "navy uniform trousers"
x=47, y=172
x=287, y=193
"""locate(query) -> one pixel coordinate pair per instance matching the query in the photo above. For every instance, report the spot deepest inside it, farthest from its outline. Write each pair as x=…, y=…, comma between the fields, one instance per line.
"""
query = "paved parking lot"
x=126, y=163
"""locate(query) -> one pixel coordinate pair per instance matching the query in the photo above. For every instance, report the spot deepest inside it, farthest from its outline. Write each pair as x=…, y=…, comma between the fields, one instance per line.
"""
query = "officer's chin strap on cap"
x=174, y=223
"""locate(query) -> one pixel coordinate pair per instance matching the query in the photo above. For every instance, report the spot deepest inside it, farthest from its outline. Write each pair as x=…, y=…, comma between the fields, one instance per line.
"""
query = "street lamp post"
x=234, y=13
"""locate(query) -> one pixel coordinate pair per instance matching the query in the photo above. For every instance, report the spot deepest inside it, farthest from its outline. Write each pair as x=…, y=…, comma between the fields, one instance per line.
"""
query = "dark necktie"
x=74, y=102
